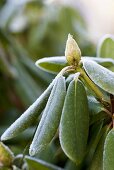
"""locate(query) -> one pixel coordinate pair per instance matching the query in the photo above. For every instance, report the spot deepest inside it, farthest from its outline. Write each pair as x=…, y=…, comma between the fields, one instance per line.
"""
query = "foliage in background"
x=30, y=30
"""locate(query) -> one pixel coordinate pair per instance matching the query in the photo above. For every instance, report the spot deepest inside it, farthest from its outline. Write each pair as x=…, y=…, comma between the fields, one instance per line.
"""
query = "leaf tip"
x=32, y=151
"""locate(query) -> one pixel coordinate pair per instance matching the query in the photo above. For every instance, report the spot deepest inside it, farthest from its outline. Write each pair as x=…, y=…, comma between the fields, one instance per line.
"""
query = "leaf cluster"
x=77, y=108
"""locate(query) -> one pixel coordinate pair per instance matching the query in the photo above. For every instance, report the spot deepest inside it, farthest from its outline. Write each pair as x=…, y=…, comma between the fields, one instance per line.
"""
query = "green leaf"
x=52, y=64
x=55, y=64
x=94, y=105
x=74, y=122
x=101, y=76
x=96, y=110
x=95, y=134
x=28, y=117
x=72, y=166
x=35, y=164
x=50, y=119
x=106, y=47
x=108, y=154
x=106, y=62
x=102, y=115
x=97, y=161
x=6, y=156
x=69, y=79
x=48, y=154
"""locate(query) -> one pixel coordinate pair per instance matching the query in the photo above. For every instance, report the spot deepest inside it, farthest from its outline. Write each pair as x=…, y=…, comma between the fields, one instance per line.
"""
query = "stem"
x=108, y=112
x=112, y=103
x=96, y=90
x=113, y=120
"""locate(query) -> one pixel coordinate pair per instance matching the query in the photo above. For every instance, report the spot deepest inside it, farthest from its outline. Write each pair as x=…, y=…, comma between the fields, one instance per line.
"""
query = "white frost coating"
x=26, y=119
x=50, y=119
x=101, y=76
x=51, y=60
x=99, y=60
x=60, y=60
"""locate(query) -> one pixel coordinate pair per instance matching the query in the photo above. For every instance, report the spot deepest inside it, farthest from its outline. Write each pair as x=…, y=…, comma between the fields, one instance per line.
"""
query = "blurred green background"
x=30, y=30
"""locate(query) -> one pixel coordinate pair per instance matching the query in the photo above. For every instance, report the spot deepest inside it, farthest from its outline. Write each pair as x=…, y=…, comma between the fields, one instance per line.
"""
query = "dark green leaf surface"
x=97, y=161
x=37, y=164
x=72, y=166
x=101, y=76
x=94, y=105
x=69, y=79
x=28, y=117
x=96, y=110
x=50, y=119
x=74, y=122
x=106, y=47
x=94, y=137
x=108, y=154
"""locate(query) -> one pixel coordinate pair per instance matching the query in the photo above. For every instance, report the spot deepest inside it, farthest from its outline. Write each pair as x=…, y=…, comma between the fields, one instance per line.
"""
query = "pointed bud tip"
x=72, y=51
x=70, y=36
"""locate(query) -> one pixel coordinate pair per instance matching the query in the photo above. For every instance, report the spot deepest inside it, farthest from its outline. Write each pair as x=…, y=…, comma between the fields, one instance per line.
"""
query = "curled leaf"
x=106, y=47
x=52, y=64
x=101, y=76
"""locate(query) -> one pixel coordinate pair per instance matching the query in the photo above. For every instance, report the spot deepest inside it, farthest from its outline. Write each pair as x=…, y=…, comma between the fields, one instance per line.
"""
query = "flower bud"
x=6, y=156
x=72, y=51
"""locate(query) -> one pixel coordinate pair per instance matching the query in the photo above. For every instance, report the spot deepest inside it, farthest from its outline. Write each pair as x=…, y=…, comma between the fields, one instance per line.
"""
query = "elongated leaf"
x=94, y=136
x=108, y=154
x=28, y=117
x=55, y=64
x=106, y=47
x=106, y=62
x=72, y=166
x=39, y=164
x=69, y=79
x=50, y=119
x=48, y=154
x=94, y=105
x=96, y=110
x=74, y=122
x=52, y=64
x=97, y=161
x=102, y=115
x=101, y=76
